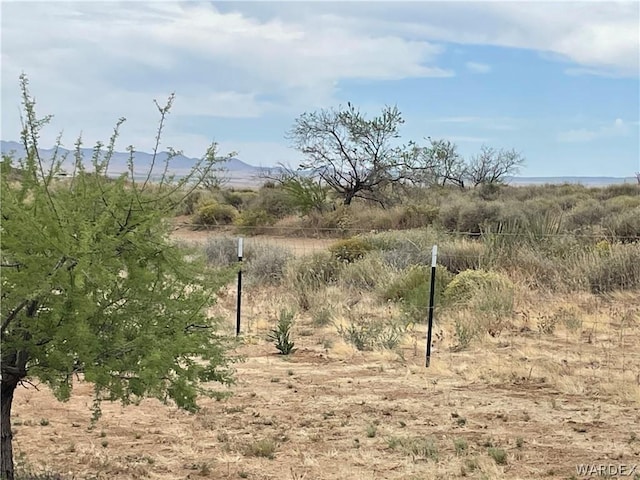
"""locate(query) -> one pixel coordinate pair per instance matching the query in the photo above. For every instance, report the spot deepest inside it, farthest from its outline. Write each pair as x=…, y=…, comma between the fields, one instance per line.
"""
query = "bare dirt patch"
x=336, y=413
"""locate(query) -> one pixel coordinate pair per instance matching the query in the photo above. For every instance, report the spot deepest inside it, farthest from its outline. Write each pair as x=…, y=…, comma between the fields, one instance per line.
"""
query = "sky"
x=557, y=81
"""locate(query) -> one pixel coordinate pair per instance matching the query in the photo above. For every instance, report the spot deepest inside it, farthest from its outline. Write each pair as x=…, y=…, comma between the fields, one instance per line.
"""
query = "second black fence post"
x=239, y=306
x=432, y=291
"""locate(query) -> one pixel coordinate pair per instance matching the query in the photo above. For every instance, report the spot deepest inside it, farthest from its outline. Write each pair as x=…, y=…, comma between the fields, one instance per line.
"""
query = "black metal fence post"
x=432, y=291
x=239, y=306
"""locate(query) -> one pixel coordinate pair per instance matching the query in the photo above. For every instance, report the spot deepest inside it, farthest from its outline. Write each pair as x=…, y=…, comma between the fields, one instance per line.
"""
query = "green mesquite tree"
x=92, y=287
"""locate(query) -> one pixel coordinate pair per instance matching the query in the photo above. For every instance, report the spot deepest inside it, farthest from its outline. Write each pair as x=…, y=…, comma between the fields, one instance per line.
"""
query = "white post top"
x=240, y=247
x=434, y=255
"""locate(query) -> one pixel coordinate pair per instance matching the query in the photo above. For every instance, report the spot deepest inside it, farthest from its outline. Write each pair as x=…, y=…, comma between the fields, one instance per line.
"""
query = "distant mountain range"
x=236, y=171
x=240, y=173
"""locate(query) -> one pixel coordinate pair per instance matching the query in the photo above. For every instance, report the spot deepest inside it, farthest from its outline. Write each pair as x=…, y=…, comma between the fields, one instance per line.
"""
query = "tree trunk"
x=348, y=197
x=9, y=383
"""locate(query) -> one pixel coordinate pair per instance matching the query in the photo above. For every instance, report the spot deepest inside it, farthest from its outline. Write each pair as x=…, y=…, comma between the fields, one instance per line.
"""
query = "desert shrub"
x=622, y=203
x=418, y=448
x=461, y=255
x=334, y=221
x=448, y=215
x=350, y=249
x=536, y=270
x=275, y=201
x=253, y=221
x=571, y=201
x=411, y=289
x=487, y=292
x=584, y=214
x=222, y=251
x=619, y=269
x=401, y=250
x=473, y=217
x=366, y=273
x=367, y=334
x=489, y=191
x=266, y=264
x=466, y=329
x=624, y=226
x=541, y=206
x=623, y=189
x=212, y=214
x=416, y=216
x=233, y=198
x=189, y=203
x=308, y=274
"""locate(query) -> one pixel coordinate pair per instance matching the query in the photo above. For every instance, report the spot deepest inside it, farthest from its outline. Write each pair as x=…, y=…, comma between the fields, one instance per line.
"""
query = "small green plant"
x=262, y=448
x=322, y=317
x=104, y=443
x=370, y=334
x=465, y=332
x=281, y=335
x=461, y=446
x=498, y=455
x=519, y=442
x=418, y=448
x=44, y=422
x=371, y=430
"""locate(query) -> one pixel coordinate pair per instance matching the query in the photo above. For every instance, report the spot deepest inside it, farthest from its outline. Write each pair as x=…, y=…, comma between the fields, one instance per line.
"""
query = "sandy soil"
x=331, y=412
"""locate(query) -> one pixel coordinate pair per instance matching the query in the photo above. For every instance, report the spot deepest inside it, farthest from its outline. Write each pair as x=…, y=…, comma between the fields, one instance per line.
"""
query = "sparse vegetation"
x=537, y=293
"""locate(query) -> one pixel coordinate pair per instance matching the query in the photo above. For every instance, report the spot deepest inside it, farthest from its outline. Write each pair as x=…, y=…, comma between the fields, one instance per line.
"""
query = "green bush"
x=253, y=221
x=189, y=204
x=460, y=255
x=473, y=217
x=350, y=249
x=616, y=269
x=308, y=274
x=233, y=198
x=366, y=273
x=372, y=334
x=624, y=226
x=412, y=288
x=417, y=216
x=584, y=214
x=212, y=214
x=486, y=292
x=275, y=201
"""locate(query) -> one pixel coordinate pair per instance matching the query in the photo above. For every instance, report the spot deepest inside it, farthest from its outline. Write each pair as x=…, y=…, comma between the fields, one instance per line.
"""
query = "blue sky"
x=558, y=81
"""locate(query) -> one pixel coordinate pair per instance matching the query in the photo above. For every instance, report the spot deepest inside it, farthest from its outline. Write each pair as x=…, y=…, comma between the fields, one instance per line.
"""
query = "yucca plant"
x=281, y=335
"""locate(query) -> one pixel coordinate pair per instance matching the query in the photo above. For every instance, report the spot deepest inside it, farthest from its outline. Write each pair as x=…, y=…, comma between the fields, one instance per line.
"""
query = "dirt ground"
x=331, y=412
x=521, y=405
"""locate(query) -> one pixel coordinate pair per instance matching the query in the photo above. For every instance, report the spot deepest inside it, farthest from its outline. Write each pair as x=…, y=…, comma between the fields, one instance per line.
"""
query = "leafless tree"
x=490, y=166
x=438, y=164
x=355, y=156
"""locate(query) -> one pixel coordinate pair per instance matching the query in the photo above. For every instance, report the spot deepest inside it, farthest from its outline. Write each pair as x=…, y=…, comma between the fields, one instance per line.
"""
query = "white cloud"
x=91, y=62
x=598, y=36
x=475, y=67
x=618, y=128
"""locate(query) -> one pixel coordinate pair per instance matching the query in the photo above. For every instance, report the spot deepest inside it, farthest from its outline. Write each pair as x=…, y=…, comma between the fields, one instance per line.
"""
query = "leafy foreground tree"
x=92, y=287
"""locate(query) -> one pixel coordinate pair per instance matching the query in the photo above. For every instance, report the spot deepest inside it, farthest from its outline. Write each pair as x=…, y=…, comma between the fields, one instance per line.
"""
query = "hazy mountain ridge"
x=238, y=171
